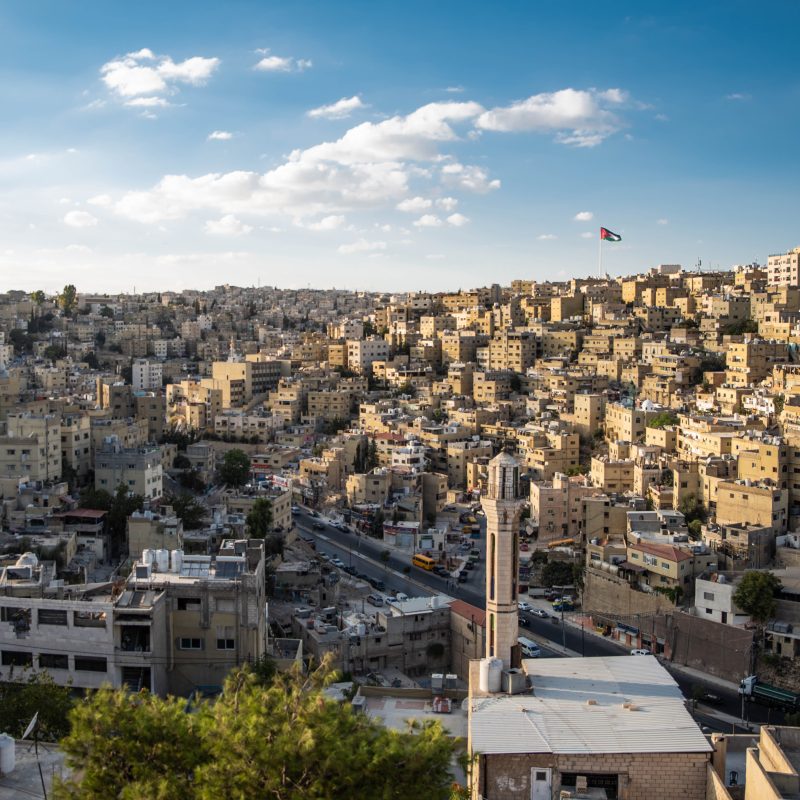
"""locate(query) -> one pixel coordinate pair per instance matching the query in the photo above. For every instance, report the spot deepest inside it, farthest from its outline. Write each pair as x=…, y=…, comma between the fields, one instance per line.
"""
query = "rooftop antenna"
x=699, y=265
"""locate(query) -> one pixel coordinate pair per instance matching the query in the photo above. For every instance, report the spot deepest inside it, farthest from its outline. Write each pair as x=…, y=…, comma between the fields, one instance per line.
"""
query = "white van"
x=529, y=648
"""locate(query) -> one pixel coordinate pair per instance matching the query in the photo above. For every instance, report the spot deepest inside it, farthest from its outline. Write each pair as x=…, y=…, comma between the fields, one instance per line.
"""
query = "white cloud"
x=360, y=246
x=428, y=221
x=141, y=78
x=227, y=226
x=102, y=200
x=80, y=219
x=435, y=256
x=219, y=136
x=414, y=204
x=329, y=223
x=584, y=216
x=546, y=237
x=339, y=110
x=457, y=220
x=272, y=63
x=469, y=177
x=370, y=165
x=81, y=249
x=579, y=117
x=738, y=96
x=447, y=203
x=662, y=221
x=454, y=89
x=587, y=235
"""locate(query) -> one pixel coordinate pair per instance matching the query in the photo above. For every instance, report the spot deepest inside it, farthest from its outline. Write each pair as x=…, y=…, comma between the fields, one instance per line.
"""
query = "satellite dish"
x=31, y=726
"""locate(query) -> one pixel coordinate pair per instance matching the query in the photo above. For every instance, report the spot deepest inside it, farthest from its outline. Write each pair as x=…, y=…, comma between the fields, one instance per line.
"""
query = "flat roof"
x=612, y=704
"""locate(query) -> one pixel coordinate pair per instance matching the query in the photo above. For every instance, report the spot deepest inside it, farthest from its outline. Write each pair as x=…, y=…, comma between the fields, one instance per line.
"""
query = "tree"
x=54, y=352
x=259, y=519
x=188, y=510
x=107, y=312
x=557, y=573
x=38, y=297
x=98, y=499
x=662, y=420
x=235, y=469
x=692, y=509
x=24, y=695
x=372, y=455
x=68, y=299
x=307, y=748
x=755, y=595
x=122, y=506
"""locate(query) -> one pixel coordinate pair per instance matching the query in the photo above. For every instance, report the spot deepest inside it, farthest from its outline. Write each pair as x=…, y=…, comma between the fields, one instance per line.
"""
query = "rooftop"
x=613, y=704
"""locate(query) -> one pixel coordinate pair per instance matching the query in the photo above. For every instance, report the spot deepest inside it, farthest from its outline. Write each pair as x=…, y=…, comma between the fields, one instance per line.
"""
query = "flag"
x=609, y=236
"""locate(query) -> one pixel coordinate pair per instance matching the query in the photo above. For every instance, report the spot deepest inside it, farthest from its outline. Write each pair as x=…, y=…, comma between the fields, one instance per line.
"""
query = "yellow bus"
x=423, y=561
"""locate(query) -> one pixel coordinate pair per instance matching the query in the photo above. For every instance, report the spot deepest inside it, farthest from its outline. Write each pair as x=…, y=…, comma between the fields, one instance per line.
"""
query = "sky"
x=391, y=146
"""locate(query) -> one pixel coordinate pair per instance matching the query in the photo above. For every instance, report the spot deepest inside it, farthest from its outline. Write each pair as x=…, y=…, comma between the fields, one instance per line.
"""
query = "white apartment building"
x=146, y=375
x=783, y=269
x=362, y=353
x=713, y=599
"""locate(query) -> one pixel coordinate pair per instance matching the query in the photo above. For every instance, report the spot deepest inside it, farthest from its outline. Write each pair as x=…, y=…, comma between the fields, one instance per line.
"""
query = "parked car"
x=710, y=698
x=469, y=565
x=350, y=570
x=539, y=612
x=438, y=569
x=295, y=510
x=337, y=562
x=463, y=577
x=377, y=583
x=523, y=606
x=318, y=526
x=640, y=651
x=400, y=596
x=375, y=599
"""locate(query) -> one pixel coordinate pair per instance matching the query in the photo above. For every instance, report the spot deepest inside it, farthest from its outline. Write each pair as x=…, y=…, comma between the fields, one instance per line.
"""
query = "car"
x=640, y=651
x=539, y=612
x=400, y=596
x=449, y=507
x=469, y=565
x=377, y=583
x=711, y=699
x=350, y=570
x=324, y=557
x=337, y=562
x=318, y=526
x=340, y=526
x=375, y=599
x=524, y=547
x=295, y=510
x=523, y=606
x=438, y=569
x=463, y=577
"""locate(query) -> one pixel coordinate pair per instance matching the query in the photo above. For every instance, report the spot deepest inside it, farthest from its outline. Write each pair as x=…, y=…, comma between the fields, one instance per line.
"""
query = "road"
x=365, y=554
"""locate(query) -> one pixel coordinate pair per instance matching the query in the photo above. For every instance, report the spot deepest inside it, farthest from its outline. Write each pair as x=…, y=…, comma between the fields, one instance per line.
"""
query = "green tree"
x=557, y=573
x=26, y=693
x=98, y=499
x=107, y=312
x=662, y=420
x=68, y=299
x=307, y=747
x=692, y=509
x=235, y=469
x=38, y=297
x=778, y=402
x=188, y=510
x=259, y=518
x=54, y=352
x=755, y=595
x=133, y=746
x=122, y=506
x=372, y=455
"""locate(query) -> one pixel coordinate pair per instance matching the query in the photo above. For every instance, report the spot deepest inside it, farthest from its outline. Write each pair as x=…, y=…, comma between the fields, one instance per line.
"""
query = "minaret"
x=502, y=506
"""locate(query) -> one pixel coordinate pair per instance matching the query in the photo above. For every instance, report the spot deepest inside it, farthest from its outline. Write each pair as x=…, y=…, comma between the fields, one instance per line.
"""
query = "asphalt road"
x=365, y=554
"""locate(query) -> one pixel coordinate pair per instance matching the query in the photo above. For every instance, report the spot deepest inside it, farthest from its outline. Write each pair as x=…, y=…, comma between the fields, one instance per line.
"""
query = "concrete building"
x=139, y=469
x=32, y=447
x=146, y=374
x=783, y=269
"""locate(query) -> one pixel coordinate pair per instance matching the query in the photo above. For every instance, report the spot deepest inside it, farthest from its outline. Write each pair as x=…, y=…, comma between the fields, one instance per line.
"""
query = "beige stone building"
x=783, y=269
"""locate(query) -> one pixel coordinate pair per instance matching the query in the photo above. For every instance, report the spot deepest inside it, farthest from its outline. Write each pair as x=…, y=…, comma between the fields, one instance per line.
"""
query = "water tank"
x=177, y=561
x=483, y=675
x=495, y=674
x=27, y=560
x=162, y=560
x=147, y=557
x=7, y=754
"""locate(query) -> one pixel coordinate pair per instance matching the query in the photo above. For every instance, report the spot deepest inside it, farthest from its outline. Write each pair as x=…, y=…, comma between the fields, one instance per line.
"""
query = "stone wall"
x=641, y=776
x=605, y=593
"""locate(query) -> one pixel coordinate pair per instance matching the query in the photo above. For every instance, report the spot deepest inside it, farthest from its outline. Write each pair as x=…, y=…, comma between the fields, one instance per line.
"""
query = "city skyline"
x=359, y=148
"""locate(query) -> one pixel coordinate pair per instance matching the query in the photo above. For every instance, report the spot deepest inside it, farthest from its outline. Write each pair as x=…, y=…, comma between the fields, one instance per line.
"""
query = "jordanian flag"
x=609, y=236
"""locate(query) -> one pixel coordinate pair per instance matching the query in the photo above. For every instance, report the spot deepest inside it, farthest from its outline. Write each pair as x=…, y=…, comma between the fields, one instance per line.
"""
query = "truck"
x=754, y=691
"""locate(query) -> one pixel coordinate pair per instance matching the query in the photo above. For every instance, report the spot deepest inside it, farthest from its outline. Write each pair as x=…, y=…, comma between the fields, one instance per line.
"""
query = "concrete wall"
x=606, y=593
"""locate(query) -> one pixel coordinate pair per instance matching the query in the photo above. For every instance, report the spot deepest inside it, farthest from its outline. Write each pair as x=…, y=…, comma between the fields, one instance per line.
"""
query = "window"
x=708, y=595
x=15, y=658
x=53, y=661
x=188, y=604
x=188, y=643
x=90, y=664
x=51, y=616
x=225, y=638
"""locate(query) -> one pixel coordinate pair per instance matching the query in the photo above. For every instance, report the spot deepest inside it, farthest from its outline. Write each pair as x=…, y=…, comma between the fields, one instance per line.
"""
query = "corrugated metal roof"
x=558, y=717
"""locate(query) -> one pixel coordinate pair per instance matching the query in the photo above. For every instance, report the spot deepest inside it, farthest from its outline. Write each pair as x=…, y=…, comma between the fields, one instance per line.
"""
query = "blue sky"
x=378, y=145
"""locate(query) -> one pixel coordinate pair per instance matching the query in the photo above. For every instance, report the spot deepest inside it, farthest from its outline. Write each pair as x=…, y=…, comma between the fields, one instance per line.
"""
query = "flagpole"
x=600, y=256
